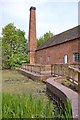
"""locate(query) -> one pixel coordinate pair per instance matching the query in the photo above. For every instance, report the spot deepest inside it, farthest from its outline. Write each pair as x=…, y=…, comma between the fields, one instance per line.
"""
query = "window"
x=65, y=59
x=48, y=58
x=40, y=58
x=76, y=57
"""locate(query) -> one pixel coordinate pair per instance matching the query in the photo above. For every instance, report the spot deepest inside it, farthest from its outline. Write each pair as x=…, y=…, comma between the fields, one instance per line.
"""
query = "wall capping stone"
x=56, y=89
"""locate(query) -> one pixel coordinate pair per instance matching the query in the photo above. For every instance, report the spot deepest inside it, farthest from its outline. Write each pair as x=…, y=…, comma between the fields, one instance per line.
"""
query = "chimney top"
x=34, y=8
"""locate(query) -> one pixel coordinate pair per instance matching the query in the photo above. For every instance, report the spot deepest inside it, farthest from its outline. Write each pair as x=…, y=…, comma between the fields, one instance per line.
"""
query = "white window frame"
x=76, y=57
x=65, y=59
x=48, y=58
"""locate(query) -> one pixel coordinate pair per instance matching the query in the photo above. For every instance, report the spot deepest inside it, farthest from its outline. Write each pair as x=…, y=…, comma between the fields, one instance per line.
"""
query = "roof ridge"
x=65, y=36
x=68, y=30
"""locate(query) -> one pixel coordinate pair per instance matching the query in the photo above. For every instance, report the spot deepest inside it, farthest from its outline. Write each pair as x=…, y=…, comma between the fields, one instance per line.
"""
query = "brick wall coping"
x=63, y=93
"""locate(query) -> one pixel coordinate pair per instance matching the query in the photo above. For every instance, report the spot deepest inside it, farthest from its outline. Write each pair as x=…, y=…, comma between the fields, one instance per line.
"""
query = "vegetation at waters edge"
x=65, y=113
x=27, y=106
x=16, y=88
x=0, y=105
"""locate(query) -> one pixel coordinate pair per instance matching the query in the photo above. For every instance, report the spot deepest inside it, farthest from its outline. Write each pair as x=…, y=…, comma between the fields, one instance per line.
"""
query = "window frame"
x=65, y=59
x=76, y=57
x=48, y=58
x=41, y=59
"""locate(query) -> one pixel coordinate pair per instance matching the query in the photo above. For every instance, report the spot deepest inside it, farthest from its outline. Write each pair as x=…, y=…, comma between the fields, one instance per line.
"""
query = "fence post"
x=54, y=70
x=40, y=70
x=51, y=69
x=79, y=82
x=31, y=68
x=25, y=66
x=35, y=68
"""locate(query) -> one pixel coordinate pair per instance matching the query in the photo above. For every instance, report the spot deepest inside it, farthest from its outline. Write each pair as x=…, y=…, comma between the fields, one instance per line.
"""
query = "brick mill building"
x=61, y=48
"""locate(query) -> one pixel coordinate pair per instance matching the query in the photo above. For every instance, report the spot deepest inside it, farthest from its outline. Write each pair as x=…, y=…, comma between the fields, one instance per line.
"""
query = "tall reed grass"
x=0, y=105
x=65, y=113
x=25, y=106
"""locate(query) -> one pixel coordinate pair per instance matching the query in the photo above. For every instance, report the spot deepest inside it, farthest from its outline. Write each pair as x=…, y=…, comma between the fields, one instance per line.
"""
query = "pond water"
x=15, y=82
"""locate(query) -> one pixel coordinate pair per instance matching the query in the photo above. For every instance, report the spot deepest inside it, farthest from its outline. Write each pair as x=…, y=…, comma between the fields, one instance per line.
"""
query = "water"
x=15, y=82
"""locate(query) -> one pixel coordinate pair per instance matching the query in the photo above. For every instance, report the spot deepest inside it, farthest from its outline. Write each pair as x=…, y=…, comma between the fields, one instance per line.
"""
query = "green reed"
x=26, y=106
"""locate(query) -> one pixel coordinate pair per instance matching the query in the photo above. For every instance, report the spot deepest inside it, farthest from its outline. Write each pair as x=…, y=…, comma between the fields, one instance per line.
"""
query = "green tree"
x=46, y=36
x=14, y=46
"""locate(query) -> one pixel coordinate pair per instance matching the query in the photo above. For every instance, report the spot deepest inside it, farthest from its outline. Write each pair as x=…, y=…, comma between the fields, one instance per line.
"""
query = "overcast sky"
x=50, y=15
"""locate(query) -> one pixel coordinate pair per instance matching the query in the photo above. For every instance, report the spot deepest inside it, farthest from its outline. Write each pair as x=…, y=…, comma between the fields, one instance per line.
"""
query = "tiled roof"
x=65, y=36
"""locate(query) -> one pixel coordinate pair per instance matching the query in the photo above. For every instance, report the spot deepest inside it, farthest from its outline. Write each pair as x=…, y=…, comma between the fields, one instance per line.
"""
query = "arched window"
x=65, y=59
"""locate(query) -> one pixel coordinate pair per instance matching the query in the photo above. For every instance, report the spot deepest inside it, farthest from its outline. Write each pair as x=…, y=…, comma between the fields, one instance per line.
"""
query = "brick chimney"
x=32, y=42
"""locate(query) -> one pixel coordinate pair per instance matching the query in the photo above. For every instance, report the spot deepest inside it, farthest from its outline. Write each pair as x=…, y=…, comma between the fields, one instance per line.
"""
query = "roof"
x=65, y=36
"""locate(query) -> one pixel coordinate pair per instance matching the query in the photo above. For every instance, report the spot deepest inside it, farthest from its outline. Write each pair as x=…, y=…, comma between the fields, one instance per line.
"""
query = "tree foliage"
x=14, y=46
x=43, y=38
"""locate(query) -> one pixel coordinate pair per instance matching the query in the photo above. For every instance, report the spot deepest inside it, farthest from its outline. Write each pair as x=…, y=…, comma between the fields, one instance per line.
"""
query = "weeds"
x=25, y=106
x=65, y=112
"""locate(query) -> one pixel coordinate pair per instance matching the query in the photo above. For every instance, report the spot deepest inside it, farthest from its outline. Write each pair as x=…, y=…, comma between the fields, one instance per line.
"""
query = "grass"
x=17, y=87
x=65, y=112
x=70, y=85
x=26, y=106
x=13, y=82
x=25, y=98
x=0, y=105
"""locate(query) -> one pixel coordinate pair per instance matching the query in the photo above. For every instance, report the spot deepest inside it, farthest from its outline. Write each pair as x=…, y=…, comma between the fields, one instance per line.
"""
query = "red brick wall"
x=57, y=53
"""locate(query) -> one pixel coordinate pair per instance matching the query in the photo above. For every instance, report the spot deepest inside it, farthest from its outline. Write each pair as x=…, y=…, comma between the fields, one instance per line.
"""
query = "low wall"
x=70, y=71
x=57, y=91
x=61, y=93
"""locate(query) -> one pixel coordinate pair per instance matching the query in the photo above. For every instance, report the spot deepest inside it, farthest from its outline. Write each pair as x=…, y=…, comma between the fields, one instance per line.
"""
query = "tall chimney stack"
x=32, y=42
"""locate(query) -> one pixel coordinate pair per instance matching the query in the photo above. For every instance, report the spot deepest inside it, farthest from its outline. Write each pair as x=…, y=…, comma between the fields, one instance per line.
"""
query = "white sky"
x=50, y=15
